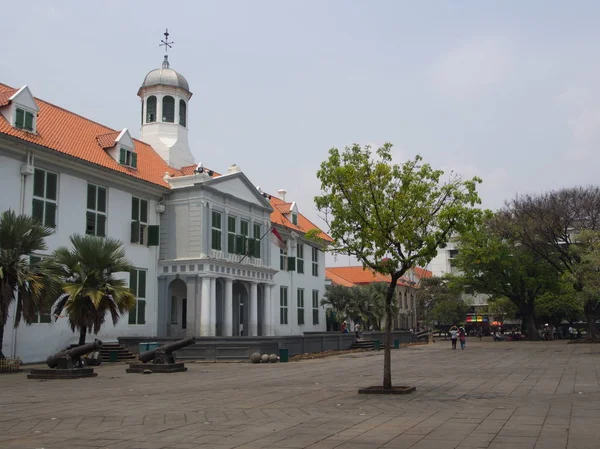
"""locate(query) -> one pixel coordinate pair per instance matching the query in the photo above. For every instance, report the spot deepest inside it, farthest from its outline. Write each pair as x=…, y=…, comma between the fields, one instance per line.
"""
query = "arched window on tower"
x=168, y=109
x=182, y=113
x=151, y=109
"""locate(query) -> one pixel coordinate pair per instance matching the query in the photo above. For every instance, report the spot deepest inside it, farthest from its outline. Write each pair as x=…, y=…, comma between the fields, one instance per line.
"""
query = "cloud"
x=465, y=71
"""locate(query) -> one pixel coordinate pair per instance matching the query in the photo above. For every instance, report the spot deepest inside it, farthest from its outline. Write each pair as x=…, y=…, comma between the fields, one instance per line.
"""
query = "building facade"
x=201, y=242
x=406, y=289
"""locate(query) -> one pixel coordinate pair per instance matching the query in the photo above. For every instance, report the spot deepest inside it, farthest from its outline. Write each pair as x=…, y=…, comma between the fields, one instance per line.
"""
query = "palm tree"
x=20, y=235
x=89, y=290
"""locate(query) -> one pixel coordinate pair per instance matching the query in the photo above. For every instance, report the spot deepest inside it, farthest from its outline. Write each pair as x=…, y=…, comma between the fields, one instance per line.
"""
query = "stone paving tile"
x=492, y=395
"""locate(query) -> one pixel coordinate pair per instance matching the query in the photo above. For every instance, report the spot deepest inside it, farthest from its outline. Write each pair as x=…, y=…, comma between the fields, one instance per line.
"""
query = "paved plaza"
x=517, y=395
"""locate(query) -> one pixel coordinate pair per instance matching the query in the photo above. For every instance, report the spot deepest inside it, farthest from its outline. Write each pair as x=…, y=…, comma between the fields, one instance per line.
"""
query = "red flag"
x=278, y=240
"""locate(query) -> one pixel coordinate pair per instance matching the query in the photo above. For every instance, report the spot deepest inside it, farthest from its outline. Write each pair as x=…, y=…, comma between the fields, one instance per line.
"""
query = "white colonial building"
x=201, y=242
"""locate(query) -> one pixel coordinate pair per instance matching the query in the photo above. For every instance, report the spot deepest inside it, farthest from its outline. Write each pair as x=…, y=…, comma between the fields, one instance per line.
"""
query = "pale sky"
x=506, y=90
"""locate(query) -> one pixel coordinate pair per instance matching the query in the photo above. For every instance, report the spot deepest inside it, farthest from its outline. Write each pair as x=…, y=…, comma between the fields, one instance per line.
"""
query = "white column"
x=205, y=307
x=253, y=310
x=213, y=306
x=191, y=321
x=267, y=322
x=228, y=308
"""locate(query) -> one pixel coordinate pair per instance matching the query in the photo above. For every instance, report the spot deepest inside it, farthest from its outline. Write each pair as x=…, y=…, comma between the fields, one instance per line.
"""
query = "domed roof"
x=165, y=76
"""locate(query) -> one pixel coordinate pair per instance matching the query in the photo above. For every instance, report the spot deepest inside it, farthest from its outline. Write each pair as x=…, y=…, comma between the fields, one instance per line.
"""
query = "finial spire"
x=165, y=43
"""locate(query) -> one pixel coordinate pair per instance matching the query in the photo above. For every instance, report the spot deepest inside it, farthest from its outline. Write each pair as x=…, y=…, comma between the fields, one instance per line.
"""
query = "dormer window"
x=128, y=158
x=295, y=219
x=24, y=119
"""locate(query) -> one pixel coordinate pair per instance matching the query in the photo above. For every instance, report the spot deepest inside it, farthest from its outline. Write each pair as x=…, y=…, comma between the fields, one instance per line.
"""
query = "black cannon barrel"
x=167, y=349
x=77, y=351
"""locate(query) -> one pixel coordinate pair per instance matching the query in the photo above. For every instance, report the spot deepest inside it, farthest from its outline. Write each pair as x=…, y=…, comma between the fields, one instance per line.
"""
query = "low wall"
x=240, y=348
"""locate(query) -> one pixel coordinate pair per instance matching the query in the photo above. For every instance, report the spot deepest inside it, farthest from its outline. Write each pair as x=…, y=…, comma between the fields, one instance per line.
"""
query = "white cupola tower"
x=165, y=95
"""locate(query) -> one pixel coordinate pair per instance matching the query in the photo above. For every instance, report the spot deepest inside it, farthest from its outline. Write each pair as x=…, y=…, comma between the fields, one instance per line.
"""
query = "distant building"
x=406, y=289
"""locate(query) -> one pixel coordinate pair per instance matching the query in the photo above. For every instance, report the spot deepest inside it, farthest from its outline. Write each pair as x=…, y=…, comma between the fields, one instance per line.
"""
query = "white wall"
x=293, y=281
x=10, y=180
x=36, y=342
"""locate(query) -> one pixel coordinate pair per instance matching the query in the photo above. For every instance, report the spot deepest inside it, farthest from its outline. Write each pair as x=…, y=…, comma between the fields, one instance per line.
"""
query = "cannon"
x=68, y=364
x=162, y=358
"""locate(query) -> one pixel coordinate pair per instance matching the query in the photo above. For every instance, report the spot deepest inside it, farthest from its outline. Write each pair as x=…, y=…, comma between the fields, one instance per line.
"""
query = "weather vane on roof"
x=165, y=42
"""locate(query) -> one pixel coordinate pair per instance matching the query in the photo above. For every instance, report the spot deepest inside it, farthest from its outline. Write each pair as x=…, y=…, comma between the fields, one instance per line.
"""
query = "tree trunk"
x=532, y=333
x=82, y=332
x=1, y=341
x=590, y=316
x=387, y=352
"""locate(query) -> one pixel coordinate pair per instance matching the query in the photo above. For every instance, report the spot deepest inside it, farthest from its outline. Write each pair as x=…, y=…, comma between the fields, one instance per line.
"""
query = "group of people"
x=458, y=333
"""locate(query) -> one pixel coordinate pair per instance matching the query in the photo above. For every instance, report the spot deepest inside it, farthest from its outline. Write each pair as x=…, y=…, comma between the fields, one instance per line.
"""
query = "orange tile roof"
x=304, y=224
x=422, y=273
x=338, y=280
x=189, y=170
x=71, y=134
x=357, y=275
x=107, y=140
x=4, y=97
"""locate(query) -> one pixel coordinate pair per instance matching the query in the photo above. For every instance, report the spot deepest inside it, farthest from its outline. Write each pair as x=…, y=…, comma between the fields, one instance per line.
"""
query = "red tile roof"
x=189, y=170
x=4, y=97
x=304, y=224
x=107, y=140
x=357, y=275
x=422, y=273
x=71, y=134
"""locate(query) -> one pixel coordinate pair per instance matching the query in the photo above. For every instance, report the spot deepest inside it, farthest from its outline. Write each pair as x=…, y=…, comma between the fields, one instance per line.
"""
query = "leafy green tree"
x=554, y=307
x=450, y=311
x=391, y=217
x=502, y=308
x=553, y=225
x=432, y=293
x=20, y=281
x=89, y=290
x=492, y=264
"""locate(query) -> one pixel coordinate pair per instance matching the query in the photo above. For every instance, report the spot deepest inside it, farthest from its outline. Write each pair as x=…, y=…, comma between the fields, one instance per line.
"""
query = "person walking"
x=462, y=335
x=453, y=336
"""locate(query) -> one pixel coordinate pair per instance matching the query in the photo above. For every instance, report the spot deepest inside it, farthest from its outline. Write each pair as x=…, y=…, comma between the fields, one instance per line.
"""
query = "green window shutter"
x=300, y=266
x=141, y=306
x=300, y=317
x=101, y=225
x=19, y=118
x=239, y=244
x=90, y=223
x=133, y=314
x=315, y=316
x=101, y=204
x=216, y=240
x=153, y=235
x=91, y=197
x=133, y=282
x=144, y=211
x=134, y=160
x=51, y=186
x=39, y=183
x=50, y=219
x=256, y=248
x=37, y=210
x=28, y=121
x=122, y=156
x=231, y=243
x=142, y=284
x=291, y=264
x=135, y=208
x=135, y=232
